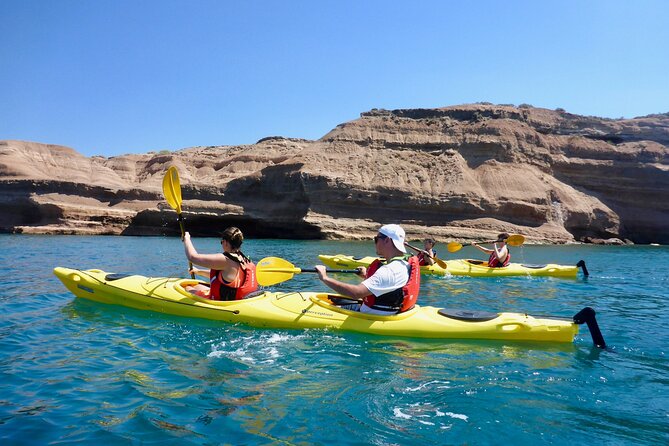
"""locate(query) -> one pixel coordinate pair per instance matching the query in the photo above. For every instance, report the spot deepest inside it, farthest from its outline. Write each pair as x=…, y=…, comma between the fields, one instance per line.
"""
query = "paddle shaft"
x=297, y=270
x=439, y=262
x=513, y=240
x=172, y=192
x=273, y=270
x=180, y=219
x=487, y=242
x=455, y=246
x=345, y=271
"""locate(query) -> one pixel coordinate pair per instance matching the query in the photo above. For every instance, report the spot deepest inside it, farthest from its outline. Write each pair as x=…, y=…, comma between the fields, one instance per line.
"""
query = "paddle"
x=513, y=240
x=172, y=193
x=273, y=270
x=439, y=262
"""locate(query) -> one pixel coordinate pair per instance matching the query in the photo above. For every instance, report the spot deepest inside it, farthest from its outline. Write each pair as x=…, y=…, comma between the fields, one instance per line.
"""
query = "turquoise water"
x=74, y=371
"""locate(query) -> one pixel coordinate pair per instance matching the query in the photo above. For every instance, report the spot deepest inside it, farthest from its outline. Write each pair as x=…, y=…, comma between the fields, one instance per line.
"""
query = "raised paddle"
x=172, y=193
x=439, y=262
x=513, y=240
x=273, y=270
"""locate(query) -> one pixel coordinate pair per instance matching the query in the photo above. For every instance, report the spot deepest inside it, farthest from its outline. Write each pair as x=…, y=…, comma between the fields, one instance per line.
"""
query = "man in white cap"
x=387, y=288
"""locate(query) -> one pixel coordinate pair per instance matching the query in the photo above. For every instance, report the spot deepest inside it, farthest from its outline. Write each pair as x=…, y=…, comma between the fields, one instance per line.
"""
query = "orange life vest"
x=245, y=281
x=401, y=299
x=422, y=257
x=493, y=261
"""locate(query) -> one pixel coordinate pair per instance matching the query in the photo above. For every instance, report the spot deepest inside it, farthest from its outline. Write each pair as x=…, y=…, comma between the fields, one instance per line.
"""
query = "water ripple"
x=80, y=372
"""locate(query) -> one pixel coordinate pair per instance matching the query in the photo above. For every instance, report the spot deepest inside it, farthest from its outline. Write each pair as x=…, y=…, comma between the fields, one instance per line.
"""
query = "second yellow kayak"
x=466, y=267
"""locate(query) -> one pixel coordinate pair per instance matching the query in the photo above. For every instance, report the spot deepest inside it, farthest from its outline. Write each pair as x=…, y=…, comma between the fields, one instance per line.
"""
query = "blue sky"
x=109, y=77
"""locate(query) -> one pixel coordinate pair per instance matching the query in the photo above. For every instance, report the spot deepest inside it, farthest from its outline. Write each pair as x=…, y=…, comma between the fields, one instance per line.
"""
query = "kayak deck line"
x=150, y=295
x=305, y=309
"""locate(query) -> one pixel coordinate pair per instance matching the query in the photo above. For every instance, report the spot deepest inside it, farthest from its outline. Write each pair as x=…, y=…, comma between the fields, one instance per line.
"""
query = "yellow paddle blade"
x=454, y=246
x=440, y=262
x=172, y=189
x=273, y=270
x=515, y=240
x=275, y=263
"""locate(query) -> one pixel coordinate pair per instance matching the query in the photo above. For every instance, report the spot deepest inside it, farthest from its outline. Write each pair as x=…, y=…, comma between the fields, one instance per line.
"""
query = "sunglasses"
x=380, y=237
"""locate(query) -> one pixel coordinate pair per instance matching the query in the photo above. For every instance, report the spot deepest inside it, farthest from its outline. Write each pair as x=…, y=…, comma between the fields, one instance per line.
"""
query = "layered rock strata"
x=457, y=172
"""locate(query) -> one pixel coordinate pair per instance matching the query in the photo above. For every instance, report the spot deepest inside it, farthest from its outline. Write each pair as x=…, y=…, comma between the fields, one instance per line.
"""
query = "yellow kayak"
x=466, y=267
x=300, y=310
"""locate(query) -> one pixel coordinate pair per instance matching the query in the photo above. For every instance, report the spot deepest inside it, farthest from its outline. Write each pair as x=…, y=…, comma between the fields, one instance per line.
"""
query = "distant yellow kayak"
x=300, y=310
x=466, y=267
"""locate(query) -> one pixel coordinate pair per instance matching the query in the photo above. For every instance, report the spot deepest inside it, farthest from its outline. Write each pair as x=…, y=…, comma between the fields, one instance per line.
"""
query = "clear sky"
x=109, y=77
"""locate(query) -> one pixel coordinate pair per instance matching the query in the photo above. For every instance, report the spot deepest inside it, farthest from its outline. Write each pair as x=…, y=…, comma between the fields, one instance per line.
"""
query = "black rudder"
x=581, y=264
x=587, y=316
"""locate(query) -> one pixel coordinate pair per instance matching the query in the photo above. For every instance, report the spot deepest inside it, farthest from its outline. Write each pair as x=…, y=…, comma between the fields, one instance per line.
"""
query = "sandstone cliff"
x=457, y=172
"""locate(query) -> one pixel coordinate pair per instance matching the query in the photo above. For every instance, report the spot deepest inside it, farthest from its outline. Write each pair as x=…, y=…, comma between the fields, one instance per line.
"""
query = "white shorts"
x=367, y=310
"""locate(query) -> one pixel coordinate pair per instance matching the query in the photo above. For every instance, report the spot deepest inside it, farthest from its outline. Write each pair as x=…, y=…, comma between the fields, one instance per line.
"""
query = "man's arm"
x=356, y=291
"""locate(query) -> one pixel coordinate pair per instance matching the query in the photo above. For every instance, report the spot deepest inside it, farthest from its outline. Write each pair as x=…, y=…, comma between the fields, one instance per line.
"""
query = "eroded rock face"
x=458, y=172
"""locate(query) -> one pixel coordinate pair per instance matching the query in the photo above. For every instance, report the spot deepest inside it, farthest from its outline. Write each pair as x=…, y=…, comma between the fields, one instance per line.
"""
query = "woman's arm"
x=481, y=248
x=501, y=253
x=212, y=261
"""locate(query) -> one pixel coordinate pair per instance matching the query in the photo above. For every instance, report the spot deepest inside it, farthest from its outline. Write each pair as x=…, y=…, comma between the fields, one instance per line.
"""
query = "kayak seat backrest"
x=115, y=276
x=533, y=266
x=468, y=315
x=339, y=300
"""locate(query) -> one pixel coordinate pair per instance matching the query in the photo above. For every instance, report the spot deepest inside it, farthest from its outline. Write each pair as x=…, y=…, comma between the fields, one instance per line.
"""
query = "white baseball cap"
x=396, y=234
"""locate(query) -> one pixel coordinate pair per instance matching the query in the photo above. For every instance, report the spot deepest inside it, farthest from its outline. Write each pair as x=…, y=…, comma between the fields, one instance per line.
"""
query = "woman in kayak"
x=428, y=254
x=499, y=255
x=231, y=274
x=389, y=287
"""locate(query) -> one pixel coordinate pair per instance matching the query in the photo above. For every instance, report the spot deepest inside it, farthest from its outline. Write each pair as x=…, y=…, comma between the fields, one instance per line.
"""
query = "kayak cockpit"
x=181, y=284
x=333, y=302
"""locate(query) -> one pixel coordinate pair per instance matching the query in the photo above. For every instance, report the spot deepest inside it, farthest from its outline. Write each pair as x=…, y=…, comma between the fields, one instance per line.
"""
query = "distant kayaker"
x=389, y=287
x=428, y=254
x=231, y=274
x=499, y=255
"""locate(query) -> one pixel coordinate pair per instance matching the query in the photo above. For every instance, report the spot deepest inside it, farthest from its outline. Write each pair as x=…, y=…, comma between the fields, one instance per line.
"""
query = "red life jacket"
x=401, y=299
x=422, y=257
x=493, y=261
x=245, y=281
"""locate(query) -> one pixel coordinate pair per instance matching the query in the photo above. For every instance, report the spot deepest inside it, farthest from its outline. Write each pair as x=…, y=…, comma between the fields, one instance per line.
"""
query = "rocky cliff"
x=457, y=172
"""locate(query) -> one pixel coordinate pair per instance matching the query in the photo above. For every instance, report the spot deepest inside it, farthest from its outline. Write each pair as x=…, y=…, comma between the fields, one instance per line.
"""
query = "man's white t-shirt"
x=388, y=277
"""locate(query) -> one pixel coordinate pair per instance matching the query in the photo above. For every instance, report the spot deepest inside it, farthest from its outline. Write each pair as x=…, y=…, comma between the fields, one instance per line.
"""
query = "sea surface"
x=78, y=372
